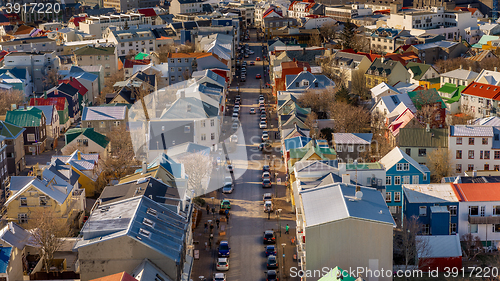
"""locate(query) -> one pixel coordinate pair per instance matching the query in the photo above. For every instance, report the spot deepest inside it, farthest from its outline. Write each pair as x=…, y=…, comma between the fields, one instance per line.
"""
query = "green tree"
x=347, y=35
x=125, y=27
x=343, y=95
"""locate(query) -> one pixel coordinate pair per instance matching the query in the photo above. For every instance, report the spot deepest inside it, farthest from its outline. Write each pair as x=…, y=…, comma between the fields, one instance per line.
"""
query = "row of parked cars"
x=271, y=253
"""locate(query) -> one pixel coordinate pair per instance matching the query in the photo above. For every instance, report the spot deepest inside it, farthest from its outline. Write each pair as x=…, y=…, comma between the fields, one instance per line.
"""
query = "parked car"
x=237, y=98
x=252, y=110
x=263, y=125
x=219, y=277
x=225, y=204
x=268, y=207
x=266, y=175
x=258, y=76
x=244, y=64
x=272, y=262
x=243, y=79
x=228, y=188
x=267, y=197
x=269, y=237
x=265, y=146
x=246, y=55
x=266, y=183
x=233, y=138
x=261, y=100
x=235, y=114
x=265, y=136
x=224, y=249
x=270, y=250
x=272, y=275
x=266, y=168
x=228, y=180
x=252, y=63
x=257, y=58
x=235, y=126
x=229, y=168
x=222, y=264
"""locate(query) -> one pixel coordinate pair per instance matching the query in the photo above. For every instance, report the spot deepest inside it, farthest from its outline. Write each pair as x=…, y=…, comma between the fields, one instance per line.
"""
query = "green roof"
x=418, y=69
x=424, y=97
x=337, y=274
x=96, y=137
x=298, y=152
x=418, y=137
x=141, y=56
x=10, y=131
x=89, y=50
x=448, y=88
x=452, y=89
x=436, y=80
x=30, y=117
x=364, y=166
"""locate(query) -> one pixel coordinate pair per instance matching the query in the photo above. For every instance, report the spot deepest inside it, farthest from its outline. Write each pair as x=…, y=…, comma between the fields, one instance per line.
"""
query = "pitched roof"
x=148, y=12
x=104, y=113
x=190, y=107
x=59, y=102
x=77, y=85
x=131, y=63
x=122, y=276
x=483, y=90
x=429, y=193
x=47, y=111
x=381, y=88
x=473, y=192
x=488, y=121
x=439, y=246
x=337, y=201
x=385, y=66
x=352, y=138
x=10, y=131
x=471, y=131
x=425, y=97
x=396, y=155
x=30, y=117
x=98, y=138
x=461, y=74
x=482, y=55
x=5, y=253
x=418, y=69
x=97, y=51
x=16, y=236
x=419, y=137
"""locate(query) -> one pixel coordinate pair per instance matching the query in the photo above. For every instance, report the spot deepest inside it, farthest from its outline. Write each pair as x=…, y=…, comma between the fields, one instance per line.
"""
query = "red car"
x=257, y=58
x=258, y=76
x=252, y=63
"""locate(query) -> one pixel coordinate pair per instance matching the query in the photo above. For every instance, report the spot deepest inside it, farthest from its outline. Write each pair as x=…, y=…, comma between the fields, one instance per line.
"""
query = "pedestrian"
x=213, y=210
x=226, y=212
x=287, y=228
x=217, y=221
x=211, y=227
x=208, y=210
x=268, y=215
x=206, y=228
x=227, y=218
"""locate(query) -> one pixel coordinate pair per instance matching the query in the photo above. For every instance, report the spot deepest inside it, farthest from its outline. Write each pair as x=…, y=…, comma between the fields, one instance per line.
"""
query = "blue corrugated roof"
x=4, y=258
x=296, y=142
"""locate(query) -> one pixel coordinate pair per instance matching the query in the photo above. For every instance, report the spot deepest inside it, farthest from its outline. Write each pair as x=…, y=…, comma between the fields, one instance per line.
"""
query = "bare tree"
x=330, y=31
x=51, y=79
x=198, y=167
x=311, y=121
x=358, y=85
x=439, y=162
x=8, y=98
x=317, y=100
x=108, y=85
x=349, y=118
x=471, y=245
x=48, y=232
x=315, y=40
x=406, y=242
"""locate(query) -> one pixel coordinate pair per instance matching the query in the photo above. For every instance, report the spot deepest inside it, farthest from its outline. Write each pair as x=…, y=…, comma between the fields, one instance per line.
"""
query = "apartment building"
x=349, y=12
x=302, y=9
x=480, y=100
x=185, y=6
x=97, y=25
x=125, y=5
x=133, y=40
x=92, y=55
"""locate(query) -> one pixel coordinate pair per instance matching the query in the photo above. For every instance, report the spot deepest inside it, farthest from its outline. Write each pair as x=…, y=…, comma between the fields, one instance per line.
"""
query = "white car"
x=235, y=126
x=235, y=115
x=236, y=107
x=222, y=264
x=261, y=100
x=265, y=136
x=263, y=125
x=234, y=138
x=219, y=277
x=228, y=181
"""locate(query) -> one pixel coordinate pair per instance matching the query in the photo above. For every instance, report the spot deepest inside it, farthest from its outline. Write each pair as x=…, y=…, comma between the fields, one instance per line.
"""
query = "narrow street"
x=248, y=221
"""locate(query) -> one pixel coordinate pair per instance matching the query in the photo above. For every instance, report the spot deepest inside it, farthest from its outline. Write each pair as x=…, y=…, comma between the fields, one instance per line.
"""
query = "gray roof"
x=314, y=165
x=143, y=220
x=438, y=44
x=460, y=74
x=134, y=35
x=104, y=113
x=440, y=246
x=348, y=57
x=429, y=193
x=337, y=202
x=47, y=111
x=490, y=121
x=147, y=271
x=471, y=131
x=16, y=236
x=350, y=138
x=188, y=108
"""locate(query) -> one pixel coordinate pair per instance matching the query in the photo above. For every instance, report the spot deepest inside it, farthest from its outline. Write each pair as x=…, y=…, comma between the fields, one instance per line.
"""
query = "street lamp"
x=283, y=262
x=279, y=222
x=213, y=208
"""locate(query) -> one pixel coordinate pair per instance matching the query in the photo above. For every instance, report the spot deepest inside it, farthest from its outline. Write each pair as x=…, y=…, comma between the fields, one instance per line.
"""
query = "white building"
x=304, y=8
x=436, y=20
x=97, y=25
x=185, y=6
x=132, y=40
x=314, y=21
x=348, y=12
x=459, y=77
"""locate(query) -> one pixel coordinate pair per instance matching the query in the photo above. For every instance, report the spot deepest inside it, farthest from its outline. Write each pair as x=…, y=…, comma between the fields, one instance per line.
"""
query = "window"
x=497, y=154
x=102, y=124
x=339, y=148
x=453, y=228
x=426, y=230
x=43, y=200
x=458, y=168
x=397, y=196
x=399, y=167
x=422, y=211
x=483, y=211
x=388, y=180
x=388, y=197
x=473, y=210
x=406, y=167
x=212, y=136
x=496, y=210
x=350, y=148
x=212, y=123
x=471, y=154
x=31, y=137
x=470, y=167
x=145, y=232
x=203, y=137
x=471, y=141
x=22, y=218
x=406, y=179
x=472, y=228
x=459, y=154
x=496, y=168
x=187, y=129
x=496, y=228
x=408, y=151
x=24, y=201
x=397, y=180
x=486, y=154
x=203, y=123
x=422, y=152
x=481, y=154
x=116, y=123
x=459, y=141
x=415, y=179
x=485, y=140
x=453, y=210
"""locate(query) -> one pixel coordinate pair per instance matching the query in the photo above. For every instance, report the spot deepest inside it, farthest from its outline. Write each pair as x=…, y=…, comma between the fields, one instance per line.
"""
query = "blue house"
x=401, y=169
x=435, y=206
x=70, y=94
x=307, y=81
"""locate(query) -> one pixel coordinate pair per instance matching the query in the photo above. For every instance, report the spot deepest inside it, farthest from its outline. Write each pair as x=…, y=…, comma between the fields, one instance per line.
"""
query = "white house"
x=318, y=21
x=459, y=77
x=382, y=90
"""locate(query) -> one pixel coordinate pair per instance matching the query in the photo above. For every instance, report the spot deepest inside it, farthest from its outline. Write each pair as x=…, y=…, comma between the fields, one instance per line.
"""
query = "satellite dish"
x=359, y=195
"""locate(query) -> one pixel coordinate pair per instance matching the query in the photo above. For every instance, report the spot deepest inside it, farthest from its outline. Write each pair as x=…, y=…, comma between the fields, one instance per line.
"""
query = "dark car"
x=272, y=262
x=266, y=183
x=272, y=275
x=265, y=168
x=265, y=146
x=269, y=237
x=224, y=249
x=270, y=250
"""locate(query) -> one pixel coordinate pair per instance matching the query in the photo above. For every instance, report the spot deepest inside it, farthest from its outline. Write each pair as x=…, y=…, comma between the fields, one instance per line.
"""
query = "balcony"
x=484, y=220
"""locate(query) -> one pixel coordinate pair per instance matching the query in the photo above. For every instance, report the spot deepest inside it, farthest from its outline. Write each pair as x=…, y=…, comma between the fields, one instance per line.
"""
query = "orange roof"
x=465, y=9
x=163, y=38
x=23, y=29
x=295, y=64
x=185, y=55
x=483, y=90
x=470, y=192
x=122, y=276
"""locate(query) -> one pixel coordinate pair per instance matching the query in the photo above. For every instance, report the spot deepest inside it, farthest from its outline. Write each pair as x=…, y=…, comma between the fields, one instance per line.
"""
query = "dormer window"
x=305, y=83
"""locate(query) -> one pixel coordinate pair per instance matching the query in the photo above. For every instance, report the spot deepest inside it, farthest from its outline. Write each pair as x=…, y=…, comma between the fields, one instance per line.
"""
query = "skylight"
x=148, y=222
x=145, y=233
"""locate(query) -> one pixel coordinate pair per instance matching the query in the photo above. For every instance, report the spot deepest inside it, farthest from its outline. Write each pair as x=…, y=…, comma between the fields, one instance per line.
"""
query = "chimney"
x=495, y=69
x=427, y=128
x=346, y=178
x=470, y=68
x=79, y=155
x=358, y=188
x=461, y=67
x=144, y=167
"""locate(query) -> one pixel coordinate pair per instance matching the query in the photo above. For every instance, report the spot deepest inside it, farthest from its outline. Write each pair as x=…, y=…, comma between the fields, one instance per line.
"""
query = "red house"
x=289, y=68
x=439, y=252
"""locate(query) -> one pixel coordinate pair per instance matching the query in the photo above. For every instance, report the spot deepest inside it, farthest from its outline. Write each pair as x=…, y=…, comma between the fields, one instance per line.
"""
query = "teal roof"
x=484, y=40
x=96, y=137
x=337, y=274
x=5, y=253
x=10, y=131
x=30, y=117
x=423, y=97
x=141, y=56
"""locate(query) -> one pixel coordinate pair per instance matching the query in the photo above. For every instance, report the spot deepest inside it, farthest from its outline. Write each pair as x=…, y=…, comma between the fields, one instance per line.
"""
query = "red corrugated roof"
x=59, y=102
x=465, y=9
x=270, y=10
x=483, y=90
x=77, y=85
x=131, y=63
x=148, y=12
x=470, y=192
x=77, y=20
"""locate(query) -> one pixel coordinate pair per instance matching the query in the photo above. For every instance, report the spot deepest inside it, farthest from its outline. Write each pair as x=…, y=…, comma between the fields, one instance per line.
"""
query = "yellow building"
x=28, y=194
x=81, y=164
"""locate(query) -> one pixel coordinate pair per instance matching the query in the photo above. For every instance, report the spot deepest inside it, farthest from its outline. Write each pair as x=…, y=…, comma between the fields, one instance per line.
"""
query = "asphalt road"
x=248, y=220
